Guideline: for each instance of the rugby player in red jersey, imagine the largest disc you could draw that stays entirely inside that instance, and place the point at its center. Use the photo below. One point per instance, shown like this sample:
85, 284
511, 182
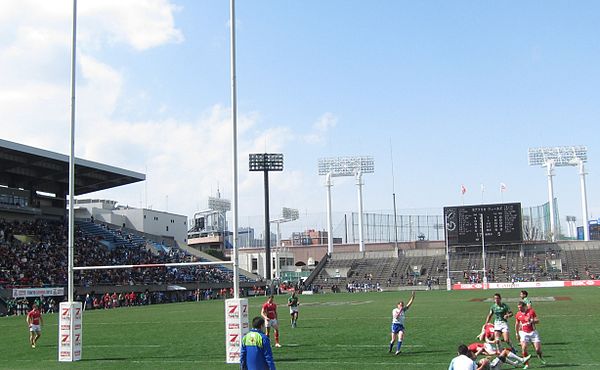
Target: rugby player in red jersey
269, 313
35, 321
525, 321
488, 336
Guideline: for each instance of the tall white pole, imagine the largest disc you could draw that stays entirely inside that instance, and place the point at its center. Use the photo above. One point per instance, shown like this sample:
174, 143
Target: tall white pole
236, 276
71, 237
550, 170
277, 264
448, 279
584, 210
328, 184
483, 251
359, 184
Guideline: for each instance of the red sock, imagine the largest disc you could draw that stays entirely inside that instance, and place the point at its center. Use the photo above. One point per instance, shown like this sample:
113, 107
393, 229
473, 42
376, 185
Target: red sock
276, 336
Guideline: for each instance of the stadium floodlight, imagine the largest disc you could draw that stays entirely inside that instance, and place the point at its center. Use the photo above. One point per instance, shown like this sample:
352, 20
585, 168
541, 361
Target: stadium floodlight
219, 204
266, 162
345, 166
562, 156
290, 214
571, 228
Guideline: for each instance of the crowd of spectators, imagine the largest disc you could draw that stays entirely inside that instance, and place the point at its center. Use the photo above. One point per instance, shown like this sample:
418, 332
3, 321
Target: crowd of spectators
39, 258
21, 306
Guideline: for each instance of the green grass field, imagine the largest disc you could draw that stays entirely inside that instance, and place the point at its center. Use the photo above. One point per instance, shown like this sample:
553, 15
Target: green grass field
341, 331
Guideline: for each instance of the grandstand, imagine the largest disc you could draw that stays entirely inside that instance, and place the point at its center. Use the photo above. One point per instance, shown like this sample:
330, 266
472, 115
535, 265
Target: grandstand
33, 238
526, 262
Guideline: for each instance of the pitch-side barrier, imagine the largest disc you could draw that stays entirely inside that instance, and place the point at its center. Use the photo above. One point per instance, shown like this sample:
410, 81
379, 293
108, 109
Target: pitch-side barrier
526, 284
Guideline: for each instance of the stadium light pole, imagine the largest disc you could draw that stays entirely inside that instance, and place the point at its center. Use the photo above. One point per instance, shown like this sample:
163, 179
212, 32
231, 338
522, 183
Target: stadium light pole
584, 210
562, 156
266, 162
287, 215
345, 166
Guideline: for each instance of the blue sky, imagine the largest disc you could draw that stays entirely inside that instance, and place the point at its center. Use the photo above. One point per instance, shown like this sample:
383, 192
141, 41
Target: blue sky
457, 91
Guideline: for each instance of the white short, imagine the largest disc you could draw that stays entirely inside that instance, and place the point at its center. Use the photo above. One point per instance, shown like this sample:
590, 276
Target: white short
492, 349
272, 323
496, 364
35, 328
532, 337
293, 309
501, 326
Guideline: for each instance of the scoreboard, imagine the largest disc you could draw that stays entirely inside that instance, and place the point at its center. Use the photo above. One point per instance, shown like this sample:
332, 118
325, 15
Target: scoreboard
502, 224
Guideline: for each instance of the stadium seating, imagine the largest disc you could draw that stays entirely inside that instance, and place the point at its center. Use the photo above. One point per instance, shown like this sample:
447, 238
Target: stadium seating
526, 264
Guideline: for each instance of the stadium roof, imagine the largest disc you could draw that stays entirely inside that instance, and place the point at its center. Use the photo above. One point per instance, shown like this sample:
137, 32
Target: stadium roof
30, 168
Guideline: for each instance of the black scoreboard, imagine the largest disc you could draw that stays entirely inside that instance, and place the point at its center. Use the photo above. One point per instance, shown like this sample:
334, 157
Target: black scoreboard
502, 224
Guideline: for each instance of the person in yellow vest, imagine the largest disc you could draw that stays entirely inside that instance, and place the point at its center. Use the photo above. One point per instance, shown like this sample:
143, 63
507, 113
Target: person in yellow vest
256, 353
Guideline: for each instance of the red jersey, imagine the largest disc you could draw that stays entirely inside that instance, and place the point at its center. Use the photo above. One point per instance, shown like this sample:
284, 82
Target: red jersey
526, 320
474, 347
489, 332
34, 315
270, 309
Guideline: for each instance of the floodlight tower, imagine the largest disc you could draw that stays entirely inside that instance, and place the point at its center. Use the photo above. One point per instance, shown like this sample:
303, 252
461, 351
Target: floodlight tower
561, 156
287, 215
345, 166
266, 162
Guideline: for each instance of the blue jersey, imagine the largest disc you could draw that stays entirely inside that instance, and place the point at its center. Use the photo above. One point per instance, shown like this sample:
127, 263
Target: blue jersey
256, 352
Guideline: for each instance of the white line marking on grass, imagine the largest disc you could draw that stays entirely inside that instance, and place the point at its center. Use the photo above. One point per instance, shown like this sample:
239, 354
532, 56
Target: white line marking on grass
369, 345
123, 345
336, 303
186, 322
307, 362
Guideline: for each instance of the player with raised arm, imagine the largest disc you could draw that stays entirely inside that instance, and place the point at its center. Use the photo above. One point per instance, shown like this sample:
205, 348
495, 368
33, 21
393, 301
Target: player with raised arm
35, 322
398, 315
293, 305
525, 321
500, 312
269, 313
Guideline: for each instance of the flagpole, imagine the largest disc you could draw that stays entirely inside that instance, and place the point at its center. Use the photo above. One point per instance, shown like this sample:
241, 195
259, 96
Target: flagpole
482, 191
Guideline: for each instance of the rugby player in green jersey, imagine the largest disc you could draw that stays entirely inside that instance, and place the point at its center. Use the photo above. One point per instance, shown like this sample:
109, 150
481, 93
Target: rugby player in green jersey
293, 305
501, 312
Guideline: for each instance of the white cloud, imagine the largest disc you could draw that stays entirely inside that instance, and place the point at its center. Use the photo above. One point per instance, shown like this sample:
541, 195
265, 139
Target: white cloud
321, 128
184, 160
142, 24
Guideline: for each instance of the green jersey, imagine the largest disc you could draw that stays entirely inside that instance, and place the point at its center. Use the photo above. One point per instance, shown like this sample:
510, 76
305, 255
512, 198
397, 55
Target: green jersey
527, 301
293, 301
499, 311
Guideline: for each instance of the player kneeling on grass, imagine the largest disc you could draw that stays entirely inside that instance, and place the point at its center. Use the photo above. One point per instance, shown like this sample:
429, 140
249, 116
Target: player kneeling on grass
490, 342
398, 323
525, 321
256, 351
